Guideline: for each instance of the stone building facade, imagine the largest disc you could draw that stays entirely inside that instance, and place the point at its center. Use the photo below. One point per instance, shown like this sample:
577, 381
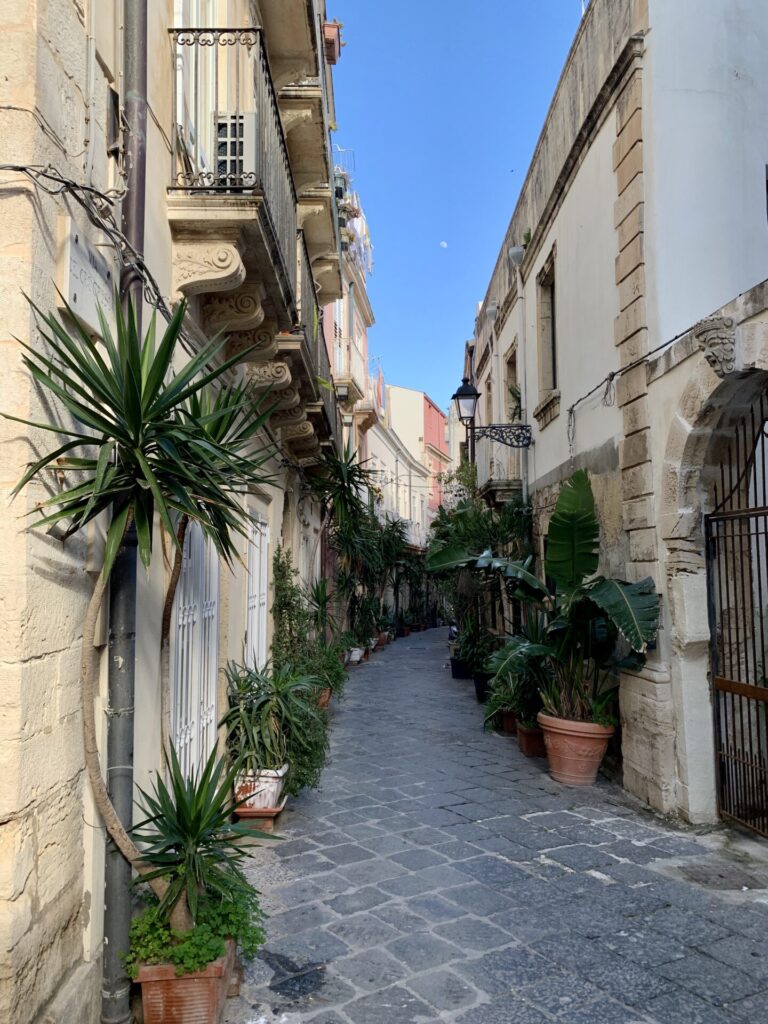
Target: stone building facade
610, 321
250, 238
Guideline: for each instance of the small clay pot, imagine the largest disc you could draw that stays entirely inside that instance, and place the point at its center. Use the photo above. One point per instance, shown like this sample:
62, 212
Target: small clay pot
530, 740
324, 697
509, 723
574, 749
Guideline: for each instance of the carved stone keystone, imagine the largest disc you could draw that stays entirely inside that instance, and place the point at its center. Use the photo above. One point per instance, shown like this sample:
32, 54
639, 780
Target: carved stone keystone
716, 338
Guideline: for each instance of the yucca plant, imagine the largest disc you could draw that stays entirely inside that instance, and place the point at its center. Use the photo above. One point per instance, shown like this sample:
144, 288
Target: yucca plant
187, 838
147, 438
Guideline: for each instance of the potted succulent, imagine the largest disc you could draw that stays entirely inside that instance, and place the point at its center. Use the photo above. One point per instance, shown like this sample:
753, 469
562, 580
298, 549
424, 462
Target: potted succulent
268, 711
596, 626
183, 945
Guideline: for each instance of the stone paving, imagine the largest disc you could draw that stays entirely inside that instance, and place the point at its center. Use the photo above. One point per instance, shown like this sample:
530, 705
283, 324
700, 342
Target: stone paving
438, 875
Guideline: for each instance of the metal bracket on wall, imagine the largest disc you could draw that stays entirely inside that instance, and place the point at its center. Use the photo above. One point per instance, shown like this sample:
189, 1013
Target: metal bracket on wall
514, 435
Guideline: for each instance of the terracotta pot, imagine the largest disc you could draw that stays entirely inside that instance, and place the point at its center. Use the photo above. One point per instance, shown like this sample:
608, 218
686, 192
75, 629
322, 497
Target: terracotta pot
263, 789
324, 697
383, 639
574, 749
509, 722
530, 740
198, 998
366, 654
406, 630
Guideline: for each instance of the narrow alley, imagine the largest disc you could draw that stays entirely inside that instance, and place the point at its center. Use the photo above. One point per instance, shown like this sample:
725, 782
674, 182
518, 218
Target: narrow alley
440, 875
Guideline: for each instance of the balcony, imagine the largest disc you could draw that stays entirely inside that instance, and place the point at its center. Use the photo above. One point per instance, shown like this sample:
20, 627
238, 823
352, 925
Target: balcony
238, 254
231, 199
499, 471
349, 370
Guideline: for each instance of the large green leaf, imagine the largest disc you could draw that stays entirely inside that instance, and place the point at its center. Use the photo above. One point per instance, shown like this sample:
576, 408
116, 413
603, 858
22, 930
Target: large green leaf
449, 558
632, 607
574, 534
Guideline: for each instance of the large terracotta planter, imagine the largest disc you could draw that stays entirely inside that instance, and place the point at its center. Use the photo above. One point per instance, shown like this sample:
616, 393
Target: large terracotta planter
574, 749
530, 741
197, 998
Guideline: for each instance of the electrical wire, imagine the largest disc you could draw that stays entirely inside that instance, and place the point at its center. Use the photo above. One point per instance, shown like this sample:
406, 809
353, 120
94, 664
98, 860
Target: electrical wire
98, 207
608, 383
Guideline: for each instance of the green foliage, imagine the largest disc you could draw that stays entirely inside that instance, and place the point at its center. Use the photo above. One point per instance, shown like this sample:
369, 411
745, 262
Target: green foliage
307, 750
521, 669
146, 441
153, 941
270, 710
501, 697
187, 837
476, 644
573, 538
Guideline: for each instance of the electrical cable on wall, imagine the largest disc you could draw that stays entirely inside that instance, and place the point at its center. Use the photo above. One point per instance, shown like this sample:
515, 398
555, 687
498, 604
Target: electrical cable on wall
98, 208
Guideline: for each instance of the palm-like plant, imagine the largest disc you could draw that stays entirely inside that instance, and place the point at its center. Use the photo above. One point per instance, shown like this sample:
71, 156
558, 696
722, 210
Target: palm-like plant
146, 440
268, 712
188, 840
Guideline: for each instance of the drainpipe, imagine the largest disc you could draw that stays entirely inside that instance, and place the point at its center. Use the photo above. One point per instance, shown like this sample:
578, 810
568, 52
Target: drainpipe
115, 1004
522, 364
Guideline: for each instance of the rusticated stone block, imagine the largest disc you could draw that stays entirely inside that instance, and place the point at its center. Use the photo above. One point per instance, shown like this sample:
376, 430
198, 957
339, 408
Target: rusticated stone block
642, 545
635, 415
632, 287
629, 259
634, 449
637, 481
631, 385
631, 133
630, 167
628, 200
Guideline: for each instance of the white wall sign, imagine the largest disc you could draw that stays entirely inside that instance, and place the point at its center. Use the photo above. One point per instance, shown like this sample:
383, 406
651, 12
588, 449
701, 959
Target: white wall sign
85, 277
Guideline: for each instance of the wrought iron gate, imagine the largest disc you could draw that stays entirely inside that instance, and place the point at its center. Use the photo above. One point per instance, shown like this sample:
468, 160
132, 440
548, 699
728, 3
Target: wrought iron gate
737, 581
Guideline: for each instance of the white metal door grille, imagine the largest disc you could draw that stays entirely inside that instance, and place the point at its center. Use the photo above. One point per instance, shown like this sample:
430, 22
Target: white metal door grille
257, 592
195, 653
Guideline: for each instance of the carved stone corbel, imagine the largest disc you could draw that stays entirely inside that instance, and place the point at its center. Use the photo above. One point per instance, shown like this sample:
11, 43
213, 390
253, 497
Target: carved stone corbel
716, 338
262, 343
294, 116
238, 310
300, 436
273, 375
205, 266
288, 398
287, 418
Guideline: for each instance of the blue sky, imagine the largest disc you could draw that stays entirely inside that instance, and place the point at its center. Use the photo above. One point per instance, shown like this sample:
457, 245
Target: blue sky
442, 102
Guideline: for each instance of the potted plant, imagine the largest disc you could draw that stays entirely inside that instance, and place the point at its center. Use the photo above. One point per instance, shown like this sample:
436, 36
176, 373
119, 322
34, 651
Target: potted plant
521, 672
268, 710
183, 945
407, 623
500, 709
476, 645
596, 626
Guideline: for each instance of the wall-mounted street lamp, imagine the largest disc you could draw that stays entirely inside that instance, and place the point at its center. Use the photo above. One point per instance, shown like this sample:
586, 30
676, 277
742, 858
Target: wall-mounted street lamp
514, 435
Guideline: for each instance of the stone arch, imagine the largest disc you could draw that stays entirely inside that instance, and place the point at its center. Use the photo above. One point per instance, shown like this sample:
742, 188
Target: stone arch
711, 405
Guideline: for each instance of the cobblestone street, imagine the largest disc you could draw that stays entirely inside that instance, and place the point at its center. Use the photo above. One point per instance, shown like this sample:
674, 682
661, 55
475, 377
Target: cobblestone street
439, 875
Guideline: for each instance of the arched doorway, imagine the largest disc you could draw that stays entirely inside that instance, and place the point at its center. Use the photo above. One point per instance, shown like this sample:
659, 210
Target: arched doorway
711, 456
736, 534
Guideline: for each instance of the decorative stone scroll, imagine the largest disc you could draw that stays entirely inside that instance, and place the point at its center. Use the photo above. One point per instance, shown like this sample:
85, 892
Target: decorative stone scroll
288, 398
205, 267
716, 338
260, 345
300, 436
239, 310
287, 417
271, 375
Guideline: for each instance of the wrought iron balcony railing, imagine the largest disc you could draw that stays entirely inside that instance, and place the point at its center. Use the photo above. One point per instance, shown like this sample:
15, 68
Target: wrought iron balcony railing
228, 133
310, 321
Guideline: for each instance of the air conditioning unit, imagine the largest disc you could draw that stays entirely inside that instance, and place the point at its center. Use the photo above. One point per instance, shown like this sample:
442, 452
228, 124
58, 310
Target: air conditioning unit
236, 149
